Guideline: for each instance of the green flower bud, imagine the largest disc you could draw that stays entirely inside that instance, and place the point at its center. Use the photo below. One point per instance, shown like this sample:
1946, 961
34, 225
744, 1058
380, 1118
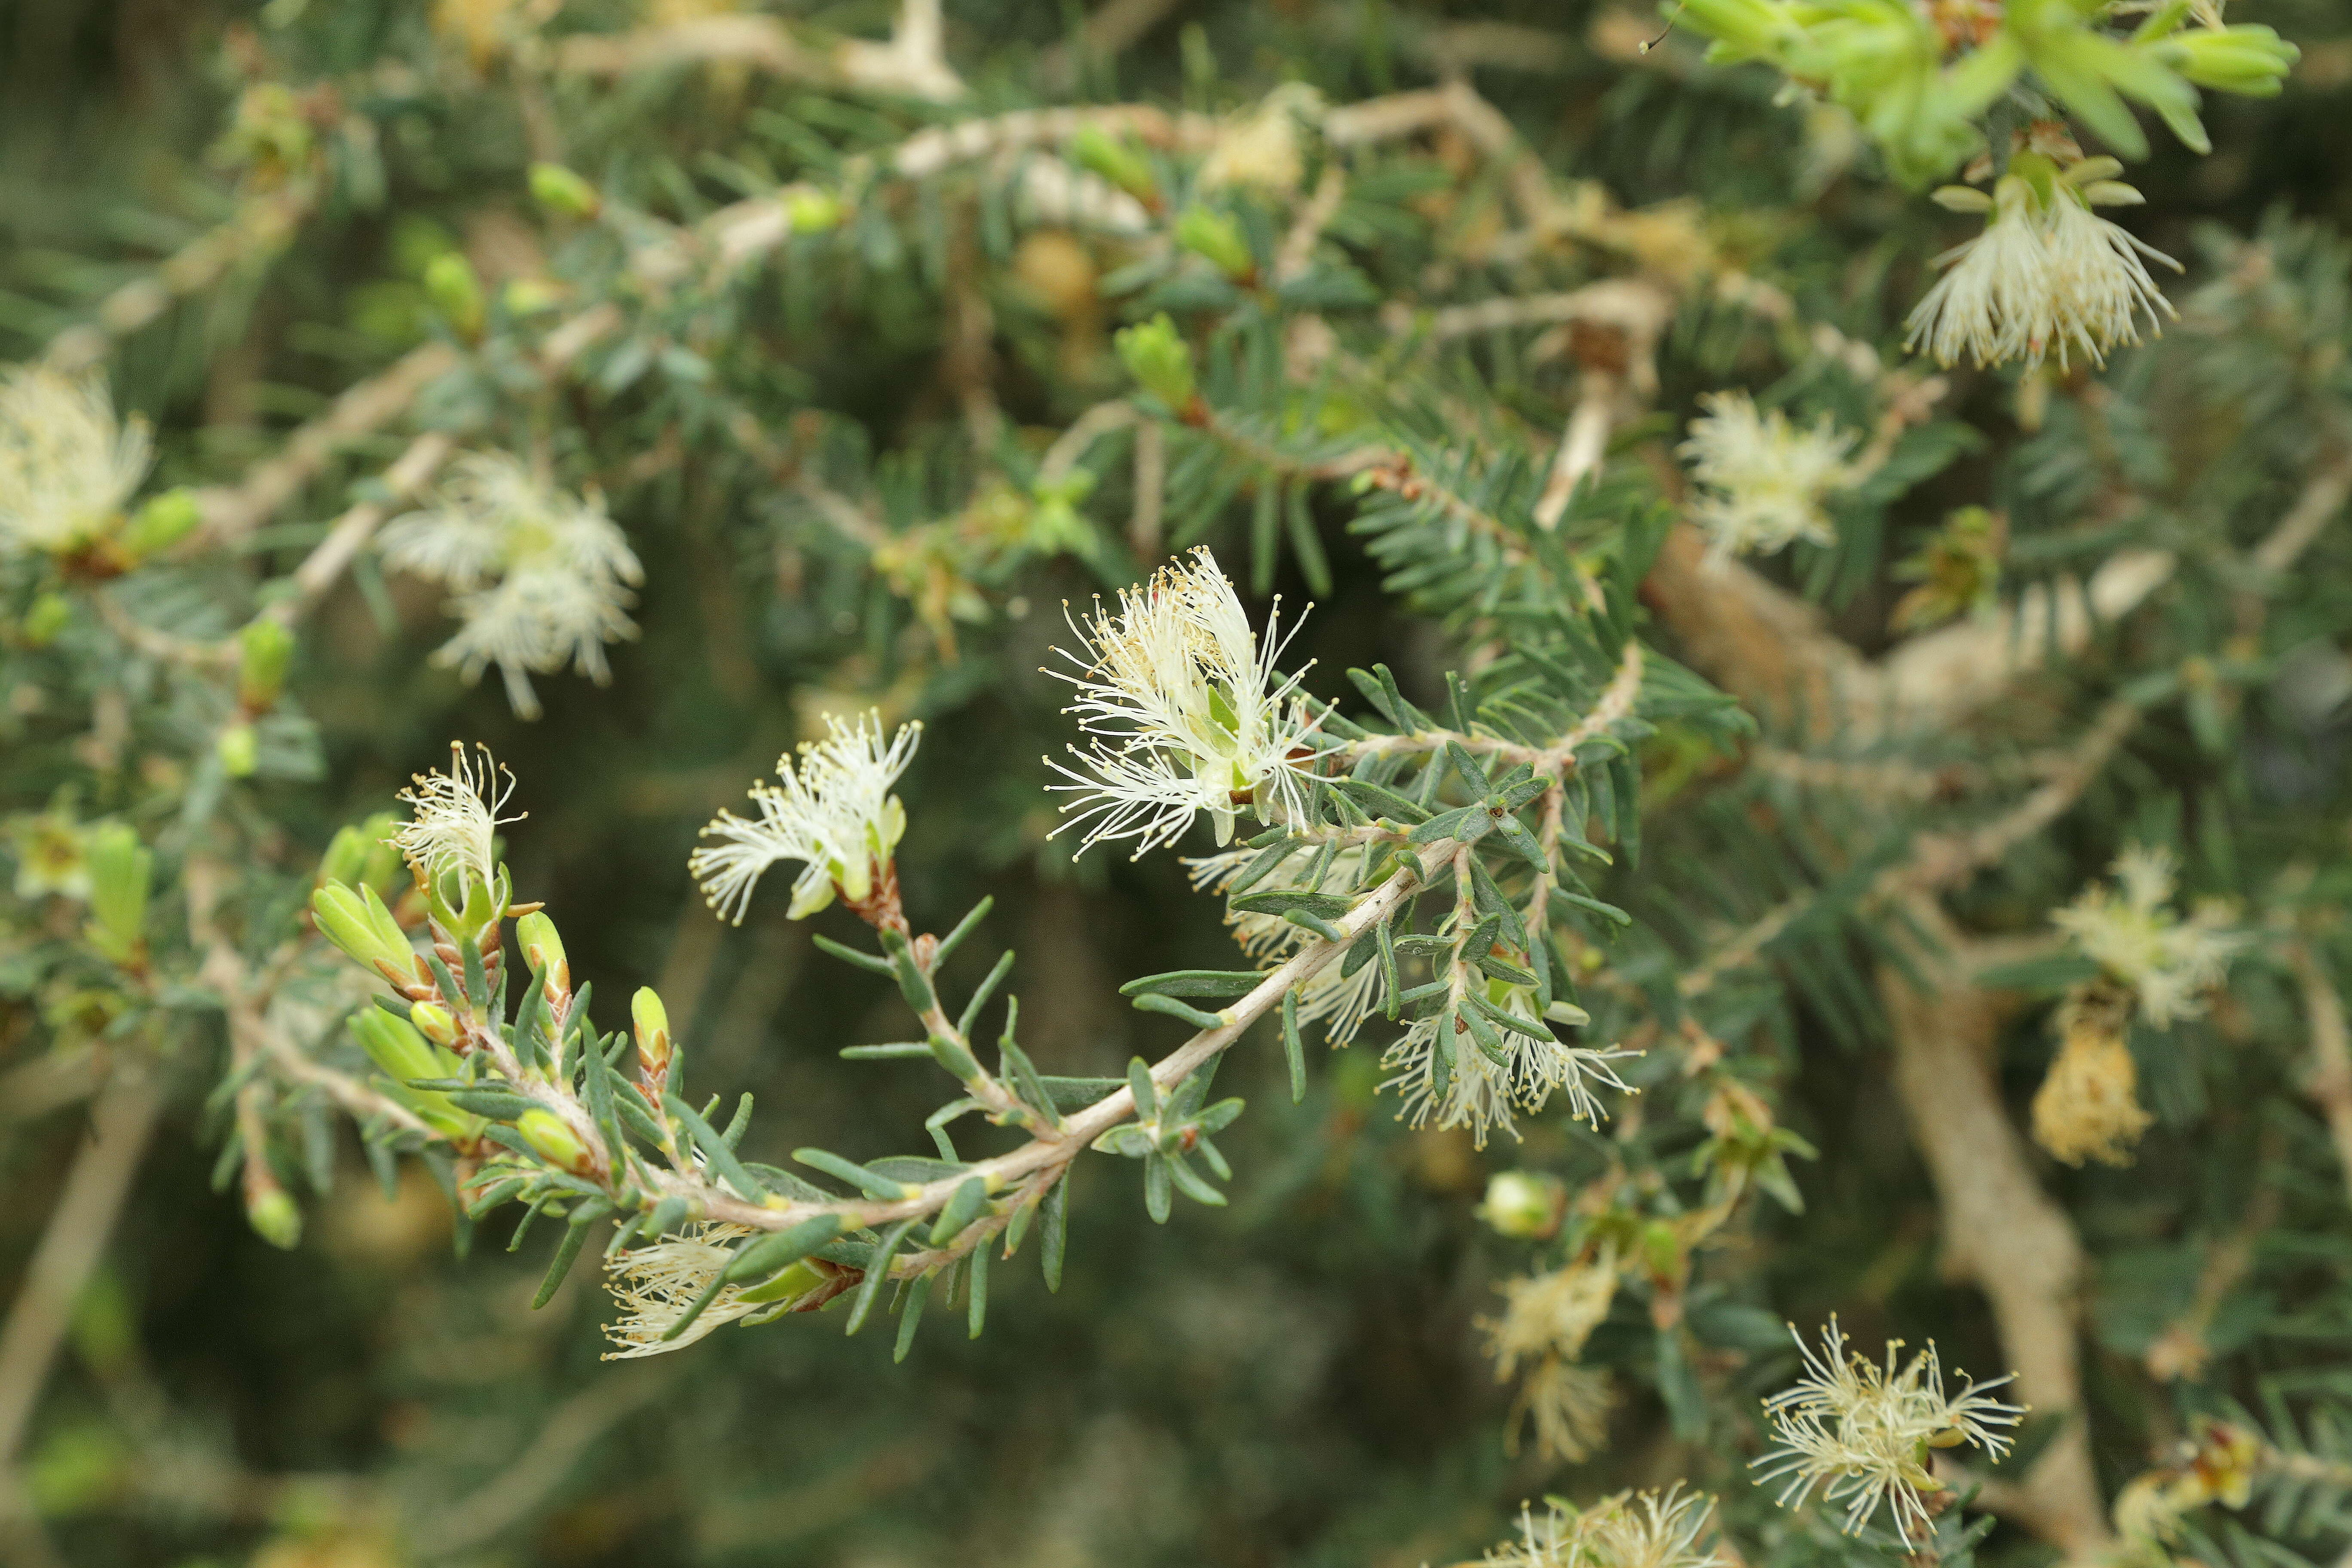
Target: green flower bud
1742, 29
1207, 232
395, 1046
46, 619
529, 296
1097, 152
552, 1141
2246, 59
559, 190
1159, 359
813, 212
651, 1021
163, 522
456, 292
239, 750
433, 1023
345, 859
358, 923
121, 868
542, 949
274, 1217
384, 867
1524, 1204
798, 1279
264, 648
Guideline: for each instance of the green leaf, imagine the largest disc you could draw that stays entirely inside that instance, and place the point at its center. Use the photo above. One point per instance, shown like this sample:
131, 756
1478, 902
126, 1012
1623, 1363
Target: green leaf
878, 1268
868, 1182
1293, 1051
764, 1256
1197, 982
1055, 1235
1154, 1003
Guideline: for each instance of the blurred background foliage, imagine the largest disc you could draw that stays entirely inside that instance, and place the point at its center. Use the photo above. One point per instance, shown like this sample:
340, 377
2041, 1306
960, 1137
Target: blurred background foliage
1295, 1379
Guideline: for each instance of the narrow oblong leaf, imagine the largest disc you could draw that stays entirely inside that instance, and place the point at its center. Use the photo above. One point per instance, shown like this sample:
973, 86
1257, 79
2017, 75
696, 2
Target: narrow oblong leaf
1055, 1235
772, 1253
1154, 1003
848, 955
878, 1268
1196, 983
865, 1181
963, 928
1293, 1051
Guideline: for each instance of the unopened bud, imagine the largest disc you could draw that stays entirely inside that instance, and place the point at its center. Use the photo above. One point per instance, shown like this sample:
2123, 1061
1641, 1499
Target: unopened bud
1206, 231
559, 190
395, 1046
1158, 357
239, 750
1662, 1249
433, 1023
1099, 152
456, 292
346, 858
552, 1141
358, 923
529, 296
813, 212
798, 1279
274, 1216
264, 648
121, 868
542, 951
651, 1020
1524, 1204
161, 522
46, 619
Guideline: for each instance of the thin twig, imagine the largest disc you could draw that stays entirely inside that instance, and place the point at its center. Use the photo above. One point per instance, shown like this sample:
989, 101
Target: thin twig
96, 1186
2330, 1083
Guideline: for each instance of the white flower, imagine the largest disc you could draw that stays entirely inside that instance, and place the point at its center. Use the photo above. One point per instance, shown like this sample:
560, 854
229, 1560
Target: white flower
1338, 1000
457, 819
1651, 1530
834, 811
1551, 1313
1480, 1092
1569, 1406
539, 577
67, 465
2105, 286
1865, 1430
1764, 478
2144, 944
654, 1286
2041, 276
1185, 712
1261, 148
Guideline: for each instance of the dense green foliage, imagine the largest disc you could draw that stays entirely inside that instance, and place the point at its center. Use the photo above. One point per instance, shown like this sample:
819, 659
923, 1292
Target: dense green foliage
1403, 310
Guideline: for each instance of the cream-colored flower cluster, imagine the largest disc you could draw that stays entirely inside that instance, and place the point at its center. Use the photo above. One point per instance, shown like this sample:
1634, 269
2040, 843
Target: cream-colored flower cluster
1185, 713
1862, 1432
2047, 276
453, 822
67, 465
833, 812
539, 578
1761, 478
2168, 961
1644, 1530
